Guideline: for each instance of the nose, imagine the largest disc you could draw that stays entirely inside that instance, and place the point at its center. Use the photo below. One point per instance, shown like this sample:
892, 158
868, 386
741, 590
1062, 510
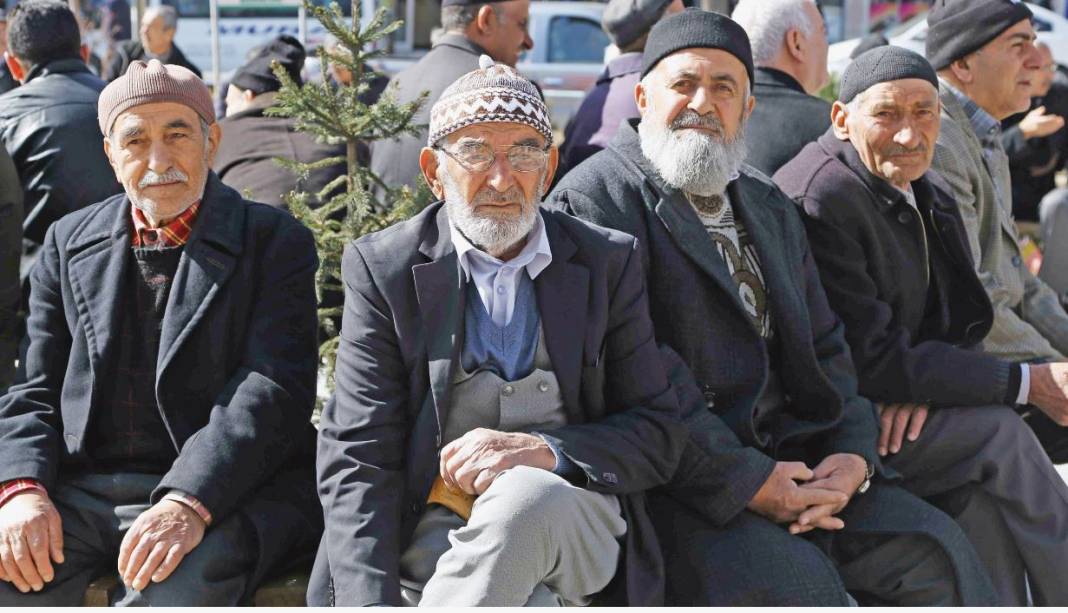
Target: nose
500, 175
159, 158
1033, 61
907, 136
701, 102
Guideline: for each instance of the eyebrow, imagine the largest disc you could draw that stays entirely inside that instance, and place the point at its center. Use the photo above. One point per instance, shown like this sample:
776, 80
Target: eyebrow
178, 124
718, 77
128, 133
530, 141
1022, 36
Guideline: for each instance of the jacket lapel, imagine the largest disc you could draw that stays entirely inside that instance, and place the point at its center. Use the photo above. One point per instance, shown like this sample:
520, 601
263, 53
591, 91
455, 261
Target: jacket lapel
438, 290
562, 293
98, 264
207, 262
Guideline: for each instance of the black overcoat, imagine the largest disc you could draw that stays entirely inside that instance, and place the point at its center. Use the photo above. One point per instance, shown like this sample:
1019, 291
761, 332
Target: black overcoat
237, 364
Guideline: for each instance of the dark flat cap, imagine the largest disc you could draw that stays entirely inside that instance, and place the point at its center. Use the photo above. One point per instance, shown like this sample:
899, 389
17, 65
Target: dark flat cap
256, 74
956, 28
869, 42
626, 21
881, 65
694, 28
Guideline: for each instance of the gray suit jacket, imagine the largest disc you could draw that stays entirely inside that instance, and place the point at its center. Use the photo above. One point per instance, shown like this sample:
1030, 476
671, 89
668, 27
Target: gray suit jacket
380, 436
1029, 322
396, 161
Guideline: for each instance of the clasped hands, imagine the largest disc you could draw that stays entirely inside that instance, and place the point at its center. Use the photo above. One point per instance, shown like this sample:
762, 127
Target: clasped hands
31, 540
470, 463
806, 498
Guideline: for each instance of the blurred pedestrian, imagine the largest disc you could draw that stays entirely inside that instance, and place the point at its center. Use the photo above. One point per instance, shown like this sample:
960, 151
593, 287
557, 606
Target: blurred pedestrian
158, 27
495, 28
789, 42
611, 100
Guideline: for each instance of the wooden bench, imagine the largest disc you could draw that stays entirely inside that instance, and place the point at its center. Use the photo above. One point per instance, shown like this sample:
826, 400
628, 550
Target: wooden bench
284, 591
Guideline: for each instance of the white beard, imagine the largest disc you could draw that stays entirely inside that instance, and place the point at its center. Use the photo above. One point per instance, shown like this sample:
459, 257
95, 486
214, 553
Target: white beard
494, 235
693, 161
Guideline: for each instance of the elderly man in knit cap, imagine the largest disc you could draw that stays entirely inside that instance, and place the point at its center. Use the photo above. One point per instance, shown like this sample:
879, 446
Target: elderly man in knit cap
163, 432
611, 100
251, 140
500, 404
782, 501
893, 256
986, 60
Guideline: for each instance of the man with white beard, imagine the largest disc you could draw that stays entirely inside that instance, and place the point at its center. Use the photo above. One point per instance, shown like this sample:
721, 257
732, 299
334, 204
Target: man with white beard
500, 405
779, 498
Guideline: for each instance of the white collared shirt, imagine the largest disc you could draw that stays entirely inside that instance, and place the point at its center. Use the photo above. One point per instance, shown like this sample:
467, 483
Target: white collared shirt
497, 282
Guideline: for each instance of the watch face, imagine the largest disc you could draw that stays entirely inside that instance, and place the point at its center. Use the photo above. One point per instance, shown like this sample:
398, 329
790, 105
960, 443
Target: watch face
864, 486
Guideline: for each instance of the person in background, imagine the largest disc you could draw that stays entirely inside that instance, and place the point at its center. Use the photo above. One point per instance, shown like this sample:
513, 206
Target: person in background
1036, 141
343, 76
869, 42
893, 256
252, 140
611, 100
10, 252
789, 42
984, 53
495, 28
7, 82
779, 500
159, 24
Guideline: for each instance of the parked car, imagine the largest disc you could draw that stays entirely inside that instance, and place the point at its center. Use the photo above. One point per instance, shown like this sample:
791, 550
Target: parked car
1052, 29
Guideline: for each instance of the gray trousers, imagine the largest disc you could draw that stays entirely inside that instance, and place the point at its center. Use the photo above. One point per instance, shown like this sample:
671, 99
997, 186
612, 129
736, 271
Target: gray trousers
97, 510
1017, 515
533, 539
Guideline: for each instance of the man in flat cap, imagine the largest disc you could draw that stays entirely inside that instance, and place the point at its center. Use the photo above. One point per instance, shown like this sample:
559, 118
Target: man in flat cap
986, 60
497, 28
500, 404
894, 259
163, 432
252, 140
789, 42
777, 504
611, 100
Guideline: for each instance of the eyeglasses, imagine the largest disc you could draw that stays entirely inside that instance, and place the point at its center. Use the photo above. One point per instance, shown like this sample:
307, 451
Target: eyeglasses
478, 157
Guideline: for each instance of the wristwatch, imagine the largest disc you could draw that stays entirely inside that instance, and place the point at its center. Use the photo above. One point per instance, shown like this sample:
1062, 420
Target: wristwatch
869, 472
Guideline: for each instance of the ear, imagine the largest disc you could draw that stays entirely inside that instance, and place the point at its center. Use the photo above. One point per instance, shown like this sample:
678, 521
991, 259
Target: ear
84, 52
750, 105
428, 163
214, 137
641, 98
554, 161
962, 70
486, 19
839, 114
14, 67
248, 95
795, 44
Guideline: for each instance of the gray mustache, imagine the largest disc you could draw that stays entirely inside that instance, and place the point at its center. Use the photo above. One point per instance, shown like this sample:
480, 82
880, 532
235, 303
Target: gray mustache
689, 118
900, 150
172, 175
491, 196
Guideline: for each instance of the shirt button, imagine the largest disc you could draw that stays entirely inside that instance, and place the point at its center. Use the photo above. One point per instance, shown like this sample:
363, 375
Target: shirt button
507, 390
904, 217
543, 386
1016, 261
500, 289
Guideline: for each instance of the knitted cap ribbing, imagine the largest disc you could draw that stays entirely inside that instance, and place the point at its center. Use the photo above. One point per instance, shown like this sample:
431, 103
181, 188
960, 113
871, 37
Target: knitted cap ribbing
150, 82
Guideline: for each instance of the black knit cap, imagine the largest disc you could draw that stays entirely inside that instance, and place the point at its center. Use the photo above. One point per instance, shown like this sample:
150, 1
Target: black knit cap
956, 28
256, 75
881, 65
694, 28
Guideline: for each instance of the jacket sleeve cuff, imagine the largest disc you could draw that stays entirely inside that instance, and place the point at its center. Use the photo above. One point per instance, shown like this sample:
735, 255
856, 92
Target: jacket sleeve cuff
565, 467
1019, 387
17, 486
190, 501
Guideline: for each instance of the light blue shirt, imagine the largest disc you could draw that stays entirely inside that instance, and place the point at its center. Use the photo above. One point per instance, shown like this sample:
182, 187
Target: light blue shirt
497, 282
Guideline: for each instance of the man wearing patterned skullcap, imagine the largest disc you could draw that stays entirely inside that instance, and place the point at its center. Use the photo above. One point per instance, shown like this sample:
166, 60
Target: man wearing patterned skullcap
500, 404
782, 495
163, 430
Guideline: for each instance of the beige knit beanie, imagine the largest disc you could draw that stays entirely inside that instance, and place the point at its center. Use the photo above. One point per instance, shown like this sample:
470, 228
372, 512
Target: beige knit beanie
146, 83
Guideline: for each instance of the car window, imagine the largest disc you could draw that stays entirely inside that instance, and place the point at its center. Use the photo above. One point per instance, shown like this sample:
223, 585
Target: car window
575, 40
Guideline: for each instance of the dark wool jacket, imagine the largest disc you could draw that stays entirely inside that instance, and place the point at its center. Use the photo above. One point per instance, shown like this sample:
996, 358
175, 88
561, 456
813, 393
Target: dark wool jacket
784, 120
130, 50
10, 250
901, 279
696, 311
235, 379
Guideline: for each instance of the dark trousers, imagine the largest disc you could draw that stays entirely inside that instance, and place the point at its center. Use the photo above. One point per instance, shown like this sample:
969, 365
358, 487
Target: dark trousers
1018, 518
97, 510
752, 561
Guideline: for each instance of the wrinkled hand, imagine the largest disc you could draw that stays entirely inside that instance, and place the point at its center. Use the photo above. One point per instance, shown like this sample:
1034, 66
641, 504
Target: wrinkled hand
840, 472
782, 499
1049, 390
473, 461
157, 542
31, 538
1037, 123
898, 420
